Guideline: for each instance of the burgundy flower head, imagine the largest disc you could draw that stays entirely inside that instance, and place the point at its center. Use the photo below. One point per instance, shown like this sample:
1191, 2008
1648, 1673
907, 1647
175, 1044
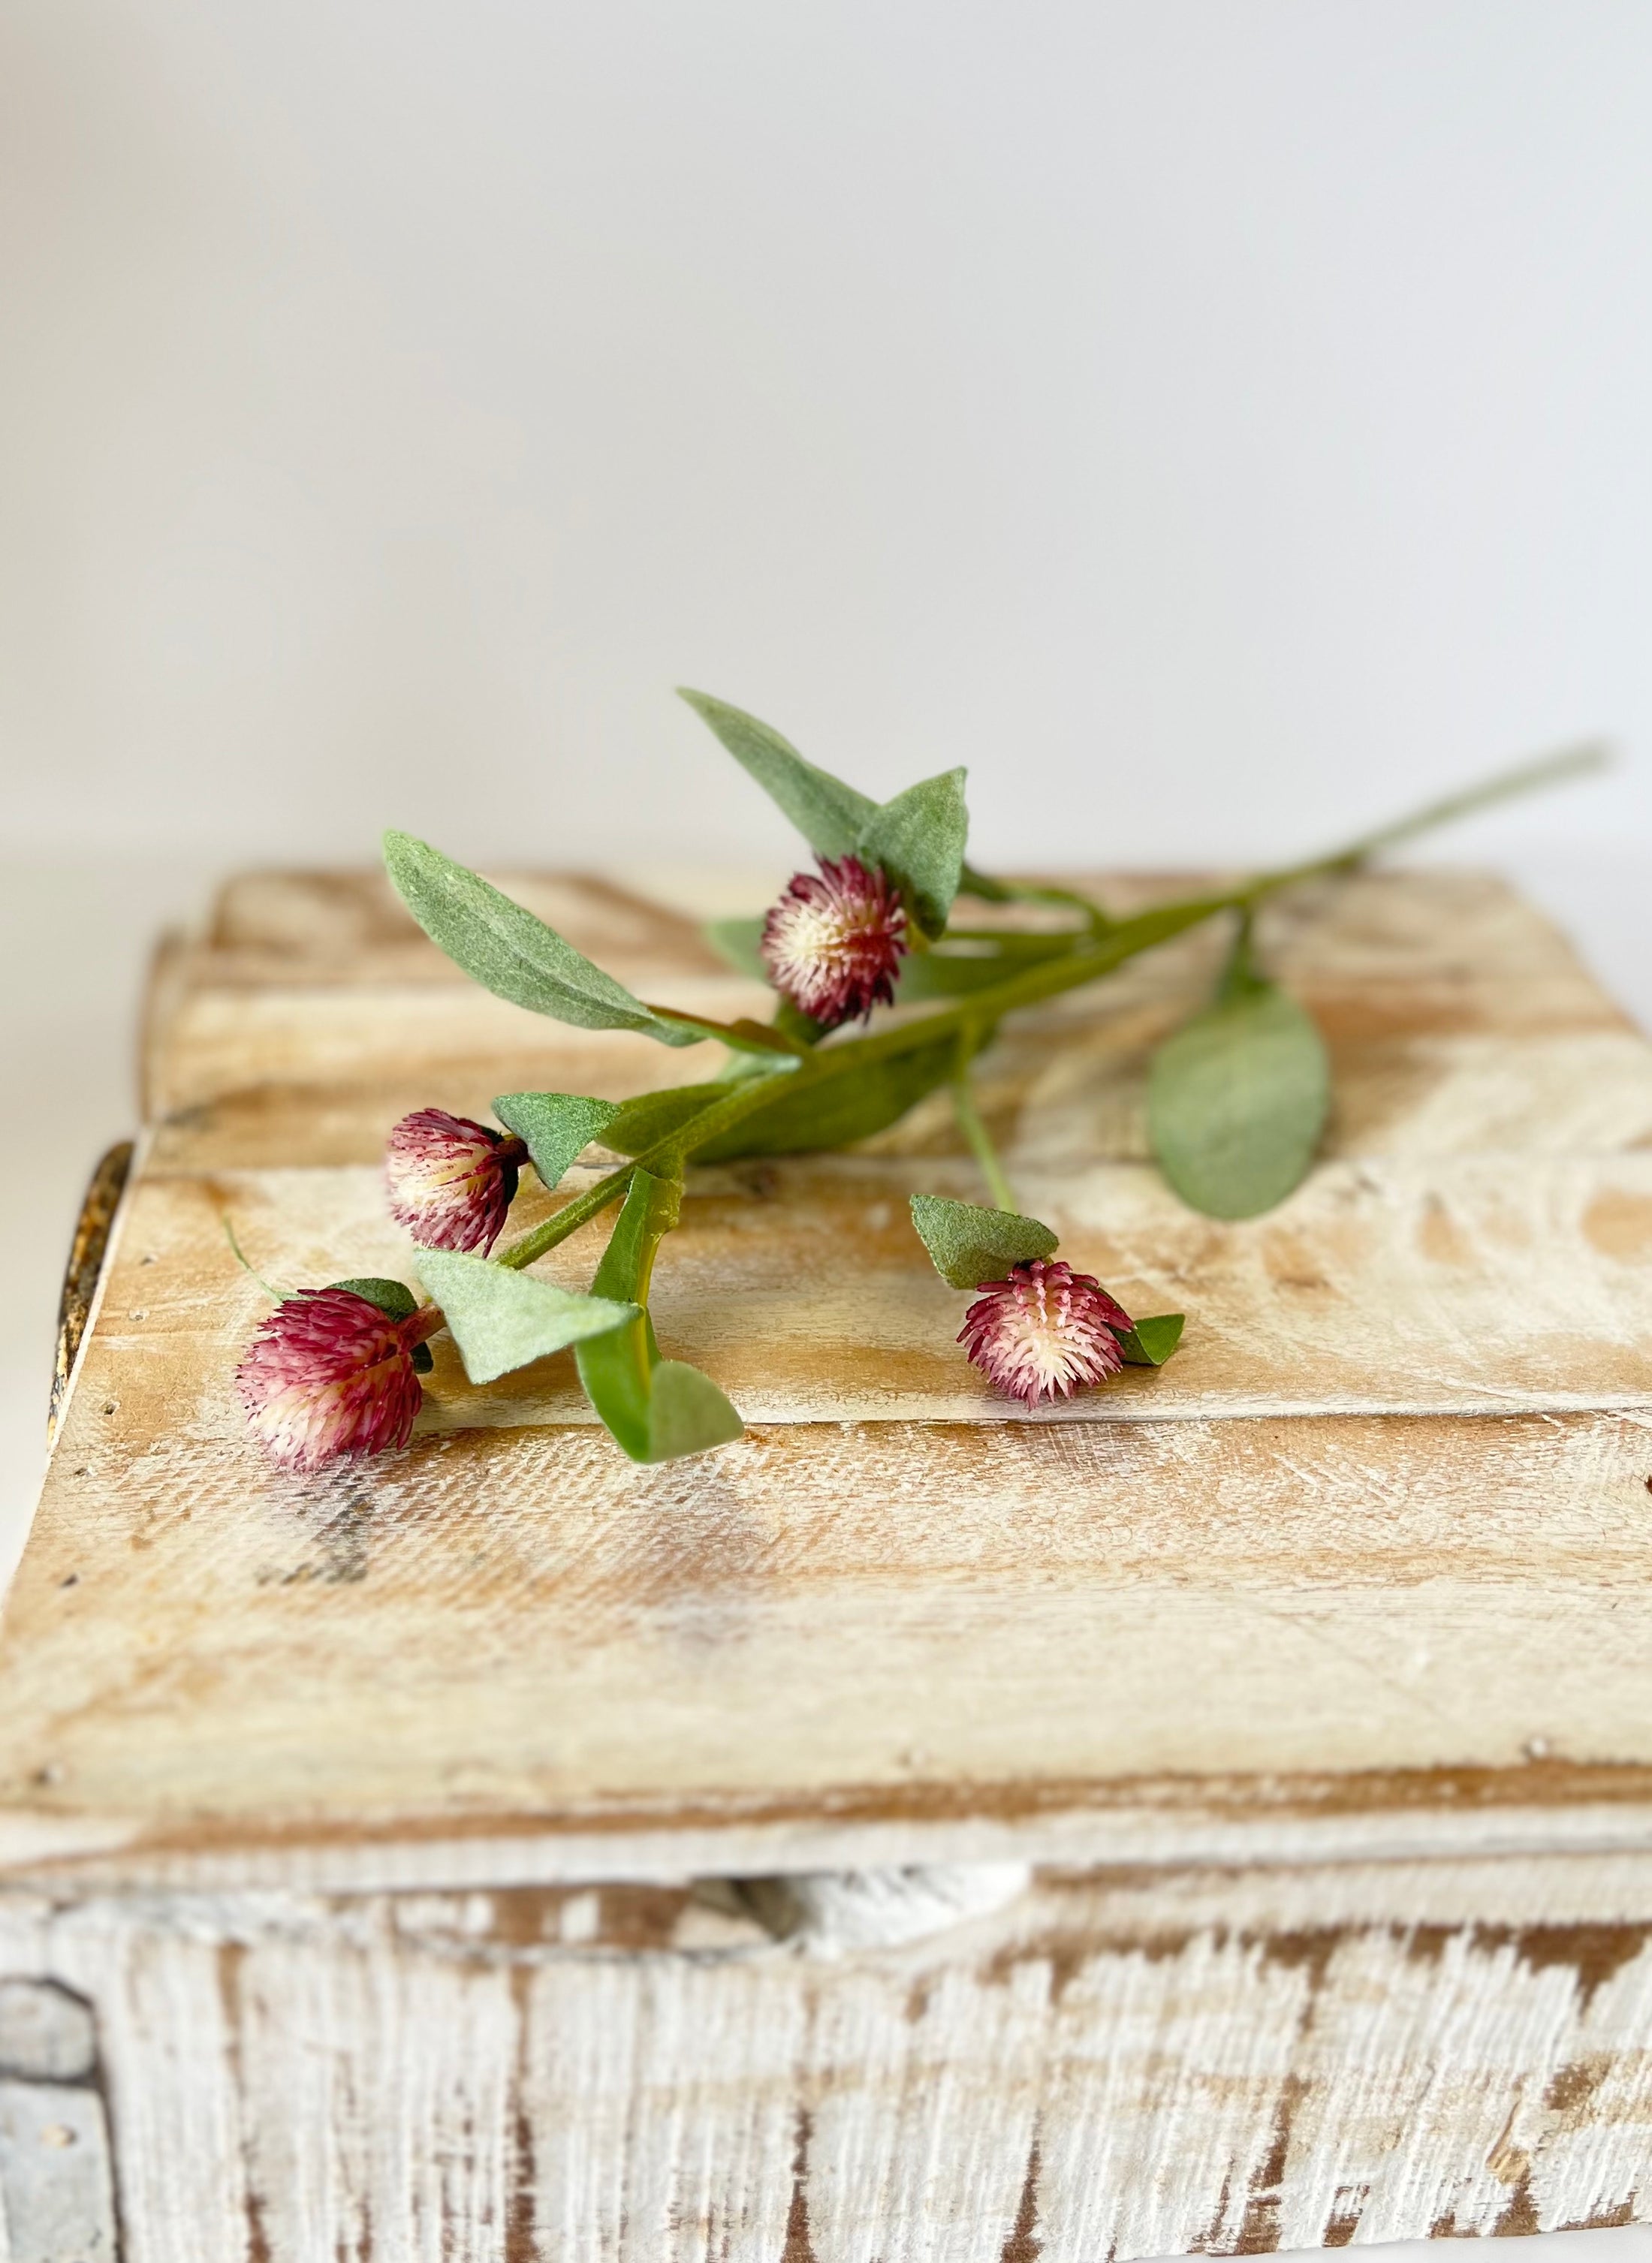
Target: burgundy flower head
450, 1181
1044, 1332
330, 1374
834, 941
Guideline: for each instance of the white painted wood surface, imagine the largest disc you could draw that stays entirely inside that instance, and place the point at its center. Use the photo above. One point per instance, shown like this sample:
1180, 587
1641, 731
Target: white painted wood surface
1115, 2064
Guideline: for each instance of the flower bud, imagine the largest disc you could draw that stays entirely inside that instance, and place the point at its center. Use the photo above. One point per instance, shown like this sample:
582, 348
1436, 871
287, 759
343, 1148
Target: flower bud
833, 943
1044, 1332
450, 1181
330, 1374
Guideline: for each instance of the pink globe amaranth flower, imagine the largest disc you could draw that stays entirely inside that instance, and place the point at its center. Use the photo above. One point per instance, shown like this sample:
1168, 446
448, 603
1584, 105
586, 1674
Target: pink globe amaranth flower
328, 1374
833, 943
1044, 1332
450, 1181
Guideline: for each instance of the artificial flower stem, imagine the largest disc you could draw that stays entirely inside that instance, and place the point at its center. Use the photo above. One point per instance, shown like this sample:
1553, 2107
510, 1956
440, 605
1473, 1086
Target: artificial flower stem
980, 1138
664, 1159
974, 1020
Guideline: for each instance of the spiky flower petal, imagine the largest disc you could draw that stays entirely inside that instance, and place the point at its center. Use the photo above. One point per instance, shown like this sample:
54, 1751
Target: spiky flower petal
330, 1374
450, 1181
834, 941
1044, 1332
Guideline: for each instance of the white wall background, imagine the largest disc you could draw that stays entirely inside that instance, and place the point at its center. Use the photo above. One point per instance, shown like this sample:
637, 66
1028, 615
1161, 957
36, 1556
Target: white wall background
1212, 420
1217, 421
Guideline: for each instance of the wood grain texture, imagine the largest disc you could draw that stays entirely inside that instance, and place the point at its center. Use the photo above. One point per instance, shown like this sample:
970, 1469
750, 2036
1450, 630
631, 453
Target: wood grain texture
1382, 1525
1118, 2064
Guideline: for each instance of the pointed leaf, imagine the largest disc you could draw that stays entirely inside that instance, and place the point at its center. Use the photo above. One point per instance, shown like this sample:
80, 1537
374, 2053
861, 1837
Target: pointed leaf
636, 1124
805, 1117
556, 1125
1237, 1102
392, 1297
1150, 1343
971, 1246
503, 1319
918, 839
511, 953
827, 813
956, 970
687, 1413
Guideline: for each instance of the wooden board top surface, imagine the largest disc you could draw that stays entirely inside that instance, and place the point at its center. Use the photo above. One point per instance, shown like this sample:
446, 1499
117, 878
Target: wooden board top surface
1373, 1546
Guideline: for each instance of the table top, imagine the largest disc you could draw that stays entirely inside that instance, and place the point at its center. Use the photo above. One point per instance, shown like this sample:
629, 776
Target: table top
1363, 1567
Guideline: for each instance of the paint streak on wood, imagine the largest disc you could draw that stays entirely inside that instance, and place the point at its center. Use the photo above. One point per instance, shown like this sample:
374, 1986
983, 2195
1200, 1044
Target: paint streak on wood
416, 2077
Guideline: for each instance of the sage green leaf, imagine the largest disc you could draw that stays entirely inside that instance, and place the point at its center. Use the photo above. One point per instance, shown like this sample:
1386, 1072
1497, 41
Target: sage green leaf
392, 1297
806, 1115
556, 1125
687, 1413
830, 815
637, 1124
735, 942
656, 1410
971, 1246
511, 953
1150, 1343
503, 1319
1236, 1101
918, 840
956, 970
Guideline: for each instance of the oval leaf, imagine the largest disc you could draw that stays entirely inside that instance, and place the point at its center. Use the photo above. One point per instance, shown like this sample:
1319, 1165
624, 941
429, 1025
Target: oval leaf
1150, 1343
971, 1246
687, 1413
503, 1319
918, 839
1237, 1102
807, 1114
511, 953
830, 815
556, 1125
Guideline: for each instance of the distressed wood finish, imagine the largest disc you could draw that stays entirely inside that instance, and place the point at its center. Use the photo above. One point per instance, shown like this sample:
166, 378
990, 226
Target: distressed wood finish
1116, 2064
363, 1811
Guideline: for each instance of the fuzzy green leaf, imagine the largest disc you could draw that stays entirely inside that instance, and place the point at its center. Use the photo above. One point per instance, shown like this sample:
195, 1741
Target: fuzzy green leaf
805, 1116
971, 1246
636, 1124
656, 1410
1236, 1101
511, 953
918, 839
503, 1319
556, 1125
955, 970
687, 1413
1150, 1343
830, 815
392, 1297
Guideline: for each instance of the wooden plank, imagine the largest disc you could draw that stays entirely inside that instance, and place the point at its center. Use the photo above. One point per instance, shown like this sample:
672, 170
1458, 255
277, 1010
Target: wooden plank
516, 1625
1112, 2066
1287, 1589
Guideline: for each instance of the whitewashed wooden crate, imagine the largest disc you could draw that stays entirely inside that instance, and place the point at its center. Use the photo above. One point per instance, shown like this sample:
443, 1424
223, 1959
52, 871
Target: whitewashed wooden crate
382, 1857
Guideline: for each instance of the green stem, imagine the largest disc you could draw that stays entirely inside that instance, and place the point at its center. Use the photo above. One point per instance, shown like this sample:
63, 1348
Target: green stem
980, 1139
974, 1017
